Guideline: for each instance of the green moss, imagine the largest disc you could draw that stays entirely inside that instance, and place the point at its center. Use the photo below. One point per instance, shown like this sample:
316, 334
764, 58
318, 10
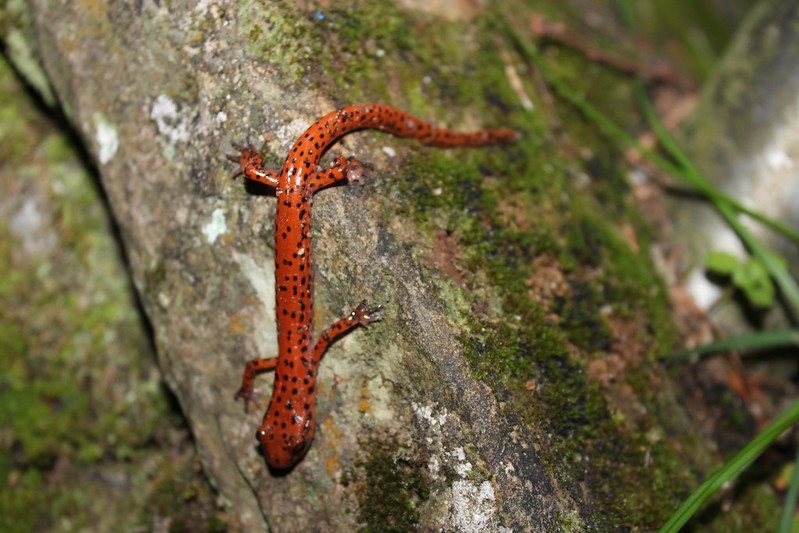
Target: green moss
82, 409
182, 499
395, 488
346, 51
280, 36
25, 506
500, 236
503, 225
335, 46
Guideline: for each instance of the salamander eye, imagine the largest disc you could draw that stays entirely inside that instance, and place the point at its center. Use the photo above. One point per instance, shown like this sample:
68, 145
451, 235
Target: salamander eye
260, 435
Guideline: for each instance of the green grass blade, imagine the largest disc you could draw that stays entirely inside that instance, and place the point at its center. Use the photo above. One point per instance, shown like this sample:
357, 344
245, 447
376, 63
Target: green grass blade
786, 520
621, 136
693, 175
761, 339
775, 268
732, 469
728, 208
685, 169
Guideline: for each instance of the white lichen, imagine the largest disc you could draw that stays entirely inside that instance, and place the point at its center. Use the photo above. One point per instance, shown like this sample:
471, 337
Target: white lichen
169, 121
262, 280
473, 507
215, 227
106, 136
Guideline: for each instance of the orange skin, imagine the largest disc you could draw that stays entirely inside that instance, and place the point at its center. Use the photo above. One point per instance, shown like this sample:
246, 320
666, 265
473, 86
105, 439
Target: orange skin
288, 425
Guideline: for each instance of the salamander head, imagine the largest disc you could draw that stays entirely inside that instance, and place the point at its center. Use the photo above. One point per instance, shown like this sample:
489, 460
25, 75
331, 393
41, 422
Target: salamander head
284, 447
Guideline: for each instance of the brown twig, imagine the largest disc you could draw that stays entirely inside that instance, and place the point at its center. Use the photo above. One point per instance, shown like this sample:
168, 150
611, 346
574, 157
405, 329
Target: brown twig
557, 33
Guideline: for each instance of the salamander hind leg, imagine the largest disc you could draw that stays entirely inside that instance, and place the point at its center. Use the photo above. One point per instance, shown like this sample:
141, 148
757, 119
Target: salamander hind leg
363, 315
253, 368
350, 170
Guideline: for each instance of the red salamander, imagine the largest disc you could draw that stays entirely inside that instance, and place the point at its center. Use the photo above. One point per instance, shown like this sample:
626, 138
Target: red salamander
288, 425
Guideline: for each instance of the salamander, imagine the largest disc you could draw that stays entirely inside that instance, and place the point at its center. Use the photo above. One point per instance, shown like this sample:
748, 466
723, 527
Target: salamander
288, 425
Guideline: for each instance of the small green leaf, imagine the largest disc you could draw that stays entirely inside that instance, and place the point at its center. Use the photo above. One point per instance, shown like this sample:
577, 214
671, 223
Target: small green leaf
748, 274
722, 263
753, 280
761, 295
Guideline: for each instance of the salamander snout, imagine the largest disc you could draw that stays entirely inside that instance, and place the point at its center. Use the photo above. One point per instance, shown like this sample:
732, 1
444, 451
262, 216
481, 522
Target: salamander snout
291, 449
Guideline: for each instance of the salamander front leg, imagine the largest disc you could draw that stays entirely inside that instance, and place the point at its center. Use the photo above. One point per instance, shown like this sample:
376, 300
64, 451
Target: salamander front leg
350, 170
363, 315
251, 165
253, 368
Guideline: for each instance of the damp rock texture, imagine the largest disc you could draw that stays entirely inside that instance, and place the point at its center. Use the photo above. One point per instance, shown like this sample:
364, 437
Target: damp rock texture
509, 385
